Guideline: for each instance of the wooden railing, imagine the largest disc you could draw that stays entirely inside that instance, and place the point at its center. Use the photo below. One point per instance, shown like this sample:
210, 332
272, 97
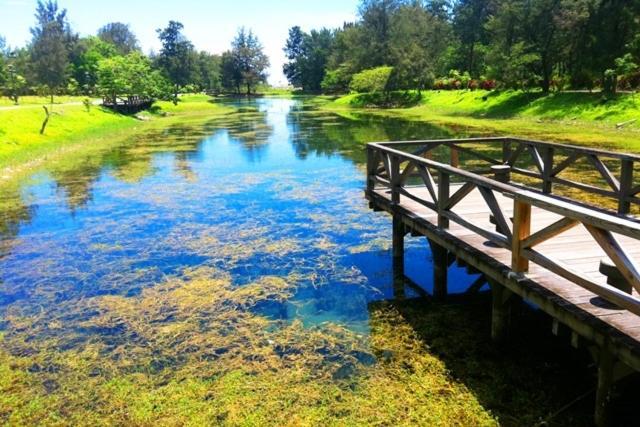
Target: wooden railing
601, 174
390, 167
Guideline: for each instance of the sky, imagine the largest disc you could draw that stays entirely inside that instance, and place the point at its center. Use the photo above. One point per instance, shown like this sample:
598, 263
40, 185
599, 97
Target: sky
210, 25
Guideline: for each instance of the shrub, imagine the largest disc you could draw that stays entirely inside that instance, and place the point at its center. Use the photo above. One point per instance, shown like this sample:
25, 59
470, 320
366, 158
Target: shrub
373, 80
336, 81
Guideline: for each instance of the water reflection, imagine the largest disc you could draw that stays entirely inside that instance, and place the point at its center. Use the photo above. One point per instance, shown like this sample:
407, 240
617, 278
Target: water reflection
240, 246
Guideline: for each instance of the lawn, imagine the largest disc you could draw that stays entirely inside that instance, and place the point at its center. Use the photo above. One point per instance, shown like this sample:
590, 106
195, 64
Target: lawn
21, 142
575, 117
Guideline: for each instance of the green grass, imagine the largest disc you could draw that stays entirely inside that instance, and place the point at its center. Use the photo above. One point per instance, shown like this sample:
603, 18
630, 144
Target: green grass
70, 125
41, 100
583, 118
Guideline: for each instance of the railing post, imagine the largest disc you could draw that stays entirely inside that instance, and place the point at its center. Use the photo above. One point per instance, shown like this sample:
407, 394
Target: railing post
501, 173
443, 198
626, 182
547, 167
371, 169
506, 151
455, 158
521, 230
395, 180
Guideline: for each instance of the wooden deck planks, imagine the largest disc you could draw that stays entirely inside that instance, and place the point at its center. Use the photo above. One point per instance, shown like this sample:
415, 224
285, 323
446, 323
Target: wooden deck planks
574, 247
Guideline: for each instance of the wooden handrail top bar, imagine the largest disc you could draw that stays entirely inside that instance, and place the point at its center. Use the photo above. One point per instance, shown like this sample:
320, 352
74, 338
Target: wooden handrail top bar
585, 150
597, 218
469, 176
592, 216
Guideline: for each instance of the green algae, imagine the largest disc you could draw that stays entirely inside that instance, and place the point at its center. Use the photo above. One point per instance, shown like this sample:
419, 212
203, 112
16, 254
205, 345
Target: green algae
191, 351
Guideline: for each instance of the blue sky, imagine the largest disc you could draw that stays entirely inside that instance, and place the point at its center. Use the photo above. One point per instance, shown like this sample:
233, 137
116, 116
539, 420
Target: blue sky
210, 25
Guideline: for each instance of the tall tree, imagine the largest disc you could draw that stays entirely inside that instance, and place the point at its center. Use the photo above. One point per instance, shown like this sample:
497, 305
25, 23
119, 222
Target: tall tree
85, 59
49, 46
418, 41
177, 56
231, 77
3, 60
469, 24
121, 36
375, 18
250, 59
295, 53
308, 55
208, 76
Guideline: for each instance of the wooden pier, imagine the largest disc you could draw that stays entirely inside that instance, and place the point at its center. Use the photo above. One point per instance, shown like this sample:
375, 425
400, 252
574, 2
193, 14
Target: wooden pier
548, 223
127, 105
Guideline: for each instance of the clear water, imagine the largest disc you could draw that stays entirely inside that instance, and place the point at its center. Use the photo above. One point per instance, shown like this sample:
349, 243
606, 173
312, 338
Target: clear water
93, 250
277, 192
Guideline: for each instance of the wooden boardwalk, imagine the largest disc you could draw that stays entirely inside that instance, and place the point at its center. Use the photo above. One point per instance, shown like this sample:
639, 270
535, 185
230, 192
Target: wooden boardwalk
524, 236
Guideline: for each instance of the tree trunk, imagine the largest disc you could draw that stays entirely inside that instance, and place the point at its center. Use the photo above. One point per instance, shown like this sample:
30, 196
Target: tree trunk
46, 119
248, 89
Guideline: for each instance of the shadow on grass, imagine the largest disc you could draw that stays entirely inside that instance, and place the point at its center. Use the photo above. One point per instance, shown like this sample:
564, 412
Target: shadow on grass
527, 381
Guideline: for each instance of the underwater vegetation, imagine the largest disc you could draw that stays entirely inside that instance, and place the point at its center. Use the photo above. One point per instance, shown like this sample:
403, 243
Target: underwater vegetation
229, 272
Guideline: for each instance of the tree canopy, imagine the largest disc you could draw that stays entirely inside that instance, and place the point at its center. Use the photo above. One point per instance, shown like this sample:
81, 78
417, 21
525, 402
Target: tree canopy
120, 36
524, 44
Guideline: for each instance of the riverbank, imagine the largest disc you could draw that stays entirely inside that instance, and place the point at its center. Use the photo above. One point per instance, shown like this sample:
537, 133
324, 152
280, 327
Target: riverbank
22, 148
579, 118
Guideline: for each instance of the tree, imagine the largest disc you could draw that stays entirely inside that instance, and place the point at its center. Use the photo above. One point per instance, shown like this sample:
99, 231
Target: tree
85, 61
418, 41
208, 76
375, 31
231, 77
49, 46
249, 58
295, 52
177, 57
120, 36
308, 56
3, 60
469, 24
130, 75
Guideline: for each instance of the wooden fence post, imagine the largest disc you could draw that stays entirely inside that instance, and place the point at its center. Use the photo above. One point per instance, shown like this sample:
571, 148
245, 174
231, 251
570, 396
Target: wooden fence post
626, 182
371, 169
440, 269
395, 180
443, 198
547, 167
521, 230
506, 151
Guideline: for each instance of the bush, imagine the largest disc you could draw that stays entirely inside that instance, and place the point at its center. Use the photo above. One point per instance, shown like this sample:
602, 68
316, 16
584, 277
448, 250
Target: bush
336, 81
373, 80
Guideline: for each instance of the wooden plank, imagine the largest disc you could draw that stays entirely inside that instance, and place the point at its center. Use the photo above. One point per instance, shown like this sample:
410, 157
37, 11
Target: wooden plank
616, 253
609, 293
460, 194
427, 178
496, 210
549, 232
568, 161
605, 172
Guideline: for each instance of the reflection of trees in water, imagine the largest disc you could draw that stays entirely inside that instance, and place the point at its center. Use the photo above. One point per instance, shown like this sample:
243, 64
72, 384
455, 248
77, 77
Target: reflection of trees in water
251, 130
13, 212
130, 162
327, 134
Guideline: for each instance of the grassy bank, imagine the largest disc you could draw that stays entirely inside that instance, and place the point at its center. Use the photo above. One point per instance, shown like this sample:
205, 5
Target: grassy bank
583, 118
71, 125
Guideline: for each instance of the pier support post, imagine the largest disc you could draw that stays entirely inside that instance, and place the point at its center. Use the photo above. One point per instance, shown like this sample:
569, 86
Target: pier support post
440, 270
399, 232
502, 305
604, 390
